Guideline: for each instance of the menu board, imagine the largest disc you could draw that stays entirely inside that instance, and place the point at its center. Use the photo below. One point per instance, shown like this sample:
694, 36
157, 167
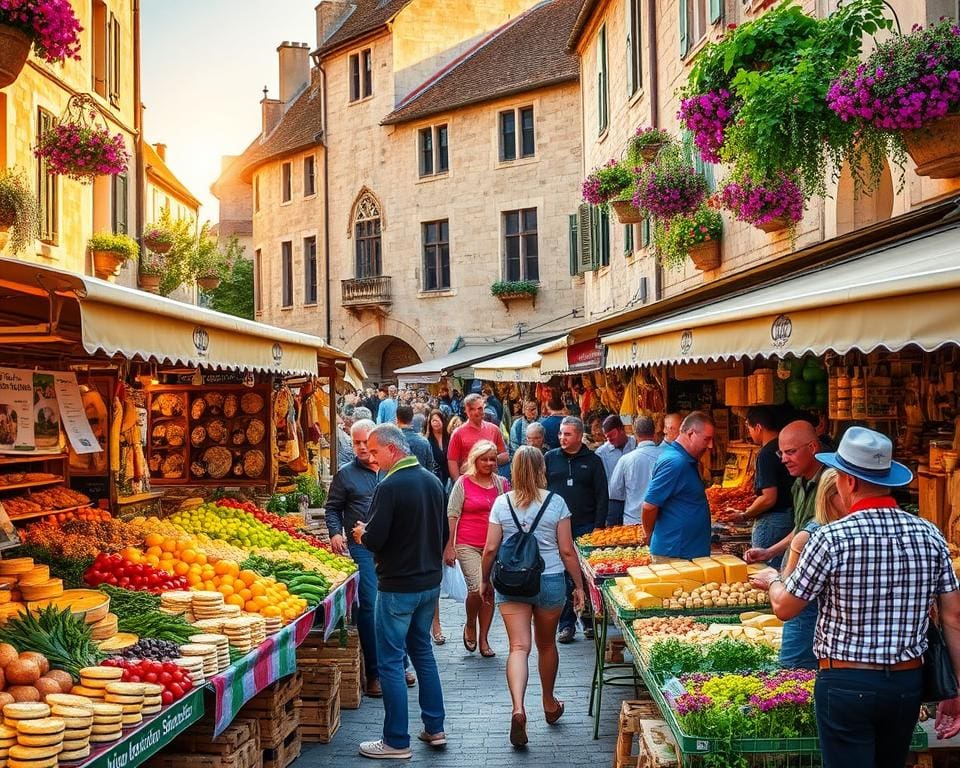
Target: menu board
216, 436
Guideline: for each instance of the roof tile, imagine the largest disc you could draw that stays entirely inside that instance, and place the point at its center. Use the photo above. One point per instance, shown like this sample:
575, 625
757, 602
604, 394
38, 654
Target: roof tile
366, 17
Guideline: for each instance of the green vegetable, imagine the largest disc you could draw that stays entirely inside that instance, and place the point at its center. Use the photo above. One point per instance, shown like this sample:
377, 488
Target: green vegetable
162, 626
126, 603
724, 655
63, 638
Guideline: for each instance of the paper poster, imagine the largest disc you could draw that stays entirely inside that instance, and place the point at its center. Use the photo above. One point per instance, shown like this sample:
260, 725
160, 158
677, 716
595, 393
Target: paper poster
16, 410
73, 415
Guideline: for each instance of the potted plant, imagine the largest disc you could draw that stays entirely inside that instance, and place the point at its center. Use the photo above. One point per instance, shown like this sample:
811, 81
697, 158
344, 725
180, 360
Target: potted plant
756, 98
315, 493
770, 205
207, 262
670, 186
51, 27
695, 236
157, 238
18, 211
507, 290
647, 143
82, 152
606, 183
149, 272
905, 98
110, 252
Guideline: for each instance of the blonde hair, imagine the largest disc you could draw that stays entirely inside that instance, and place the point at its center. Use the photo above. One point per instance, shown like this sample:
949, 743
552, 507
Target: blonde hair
826, 490
455, 421
528, 474
480, 448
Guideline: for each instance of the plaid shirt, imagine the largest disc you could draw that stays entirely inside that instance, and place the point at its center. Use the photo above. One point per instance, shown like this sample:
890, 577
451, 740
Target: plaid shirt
876, 573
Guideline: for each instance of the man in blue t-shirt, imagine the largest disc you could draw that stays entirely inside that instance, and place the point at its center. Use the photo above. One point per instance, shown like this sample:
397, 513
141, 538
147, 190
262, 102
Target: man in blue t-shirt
551, 422
675, 513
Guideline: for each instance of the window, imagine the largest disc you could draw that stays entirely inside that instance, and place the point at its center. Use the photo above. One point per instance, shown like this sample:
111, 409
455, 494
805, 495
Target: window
645, 229
257, 281
589, 239
47, 191
602, 95
309, 176
119, 203
256, 194
436, 255
310, 270
433, 150
634, 65
628, 238
367, 237
99, 32
286, 267
600, 236
113, 63
694, 21
513, 145
286, 182
361, 75
521, 254
573, 244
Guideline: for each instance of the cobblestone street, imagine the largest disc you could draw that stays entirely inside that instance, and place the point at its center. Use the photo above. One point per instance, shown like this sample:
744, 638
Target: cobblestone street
478, 712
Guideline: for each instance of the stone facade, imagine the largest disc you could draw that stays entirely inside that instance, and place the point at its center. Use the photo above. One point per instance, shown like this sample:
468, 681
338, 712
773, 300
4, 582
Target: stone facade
614, 288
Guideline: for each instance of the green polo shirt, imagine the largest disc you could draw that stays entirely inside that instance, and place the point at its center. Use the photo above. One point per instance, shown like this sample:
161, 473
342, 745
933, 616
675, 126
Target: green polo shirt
805, 500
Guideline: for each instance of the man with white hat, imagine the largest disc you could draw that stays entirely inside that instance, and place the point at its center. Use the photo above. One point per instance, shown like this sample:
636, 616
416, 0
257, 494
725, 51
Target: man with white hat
876, 572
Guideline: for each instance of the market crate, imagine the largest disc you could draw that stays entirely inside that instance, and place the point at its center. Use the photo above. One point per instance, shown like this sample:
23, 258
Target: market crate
236, 747
627, 751
277, 710
315, 652
284, 753
199, 737
320, 704
614, 650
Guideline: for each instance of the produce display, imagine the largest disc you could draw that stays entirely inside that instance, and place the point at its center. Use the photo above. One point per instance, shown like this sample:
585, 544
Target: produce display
614, 561
172, 678
725, 503
614, 536
274, 521
39, 501
725, 654
120, 572
62, 638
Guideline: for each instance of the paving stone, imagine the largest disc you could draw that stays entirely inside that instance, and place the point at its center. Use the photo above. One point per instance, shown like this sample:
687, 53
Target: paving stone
478, 708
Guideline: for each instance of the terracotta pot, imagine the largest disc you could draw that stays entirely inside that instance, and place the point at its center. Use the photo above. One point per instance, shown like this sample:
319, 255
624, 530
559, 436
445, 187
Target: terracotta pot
149, 283
106, 264
627, 212
208, 283
935, 148
4, 235
14, 49
650, 152
157, 246
706, 256
776, 225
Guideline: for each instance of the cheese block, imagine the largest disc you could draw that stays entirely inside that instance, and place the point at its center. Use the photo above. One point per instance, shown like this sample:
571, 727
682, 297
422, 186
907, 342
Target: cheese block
735, 572
629, 592
712, 570
662, 589
646, 600
753, 568
662, 568
643, 578
763, 620
687, 585
623, 581
42, 590
690, 571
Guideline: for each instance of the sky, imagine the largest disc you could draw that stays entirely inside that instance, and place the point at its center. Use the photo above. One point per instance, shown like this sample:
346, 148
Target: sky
204, 65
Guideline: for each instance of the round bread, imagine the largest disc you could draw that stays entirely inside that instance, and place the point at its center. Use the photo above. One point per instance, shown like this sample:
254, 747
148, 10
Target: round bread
83, 690
99, 730
104, 709
78, 722
113, 721
27, 740
68, 700
152, 689
102, 673
7, 733
101, 738
77, 754
93, 683
129, 720
21, 752
26, 710
126, 689
46, 762
41, 726
132, 709
126, 701
78, 743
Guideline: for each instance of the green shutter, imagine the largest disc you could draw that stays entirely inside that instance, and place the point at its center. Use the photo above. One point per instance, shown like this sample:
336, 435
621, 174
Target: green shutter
602, 80
627, 7
574, 244
645, 233
584, 231
684, 42
716, 11
628, 238
604, 218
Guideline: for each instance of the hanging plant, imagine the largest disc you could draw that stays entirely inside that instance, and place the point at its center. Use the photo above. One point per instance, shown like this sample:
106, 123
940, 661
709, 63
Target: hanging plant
756, 99
51, 25
79, 145
676, 238
157, 238
606, 183
670, 186
18, 209
771, 205
646, 144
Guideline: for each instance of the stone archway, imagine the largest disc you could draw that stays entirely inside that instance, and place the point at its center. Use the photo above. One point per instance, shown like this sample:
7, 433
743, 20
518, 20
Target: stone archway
855, 211
382, 355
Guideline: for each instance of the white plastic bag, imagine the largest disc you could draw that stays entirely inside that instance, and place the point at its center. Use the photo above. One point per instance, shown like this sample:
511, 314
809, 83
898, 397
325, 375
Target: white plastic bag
453, 585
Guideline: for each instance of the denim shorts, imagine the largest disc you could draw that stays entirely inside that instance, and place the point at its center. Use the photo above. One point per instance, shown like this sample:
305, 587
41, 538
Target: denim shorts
551, 597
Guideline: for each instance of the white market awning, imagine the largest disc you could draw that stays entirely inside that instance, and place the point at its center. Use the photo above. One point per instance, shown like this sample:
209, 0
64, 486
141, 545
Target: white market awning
460, 360
905, 293
521, 365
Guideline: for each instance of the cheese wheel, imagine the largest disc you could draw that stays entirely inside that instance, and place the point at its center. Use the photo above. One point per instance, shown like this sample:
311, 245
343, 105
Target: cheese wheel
77, 754
46, 762
43, 725
21, 752
101, 673
68, 700
43, 590
127, 689
100, 730
14, 566
25, 710
90, 693
41, 740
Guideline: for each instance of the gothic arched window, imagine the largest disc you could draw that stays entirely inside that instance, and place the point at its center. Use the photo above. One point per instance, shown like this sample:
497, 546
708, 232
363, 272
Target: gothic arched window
366, 224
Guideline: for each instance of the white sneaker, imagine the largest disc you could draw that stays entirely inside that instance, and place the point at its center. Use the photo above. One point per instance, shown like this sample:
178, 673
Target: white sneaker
378, 750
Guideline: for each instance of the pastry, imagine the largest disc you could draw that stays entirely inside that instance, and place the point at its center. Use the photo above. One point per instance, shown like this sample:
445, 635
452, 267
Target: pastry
253, 463
197, 408
251, 403
175, 435
218, 460
255, 431
197, 436
217, 431
230, 406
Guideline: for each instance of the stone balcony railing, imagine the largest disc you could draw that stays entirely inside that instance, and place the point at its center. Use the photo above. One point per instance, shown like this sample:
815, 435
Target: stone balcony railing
366, 292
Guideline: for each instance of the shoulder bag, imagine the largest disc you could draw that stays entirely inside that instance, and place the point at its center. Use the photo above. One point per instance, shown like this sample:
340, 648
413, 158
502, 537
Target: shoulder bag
517, 570
939, 680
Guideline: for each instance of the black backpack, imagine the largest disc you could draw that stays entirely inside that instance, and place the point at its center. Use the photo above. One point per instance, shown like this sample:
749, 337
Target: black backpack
518, 568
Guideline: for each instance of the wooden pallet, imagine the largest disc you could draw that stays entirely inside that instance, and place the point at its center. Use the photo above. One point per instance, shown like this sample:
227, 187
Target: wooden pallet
285, 753
628, 751
248, 755
200, 739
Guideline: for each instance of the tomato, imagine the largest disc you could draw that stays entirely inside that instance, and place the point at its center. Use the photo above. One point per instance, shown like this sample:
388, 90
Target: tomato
166, 697
150, 677
170, 667
187, 684
176, 689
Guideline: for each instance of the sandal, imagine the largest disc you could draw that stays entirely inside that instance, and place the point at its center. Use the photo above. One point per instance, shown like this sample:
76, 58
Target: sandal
556, 714
518, 729
439, 638
488, 652
467, 645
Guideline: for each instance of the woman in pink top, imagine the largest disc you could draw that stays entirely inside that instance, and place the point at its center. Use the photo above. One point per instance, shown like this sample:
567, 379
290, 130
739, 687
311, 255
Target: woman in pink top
469, 507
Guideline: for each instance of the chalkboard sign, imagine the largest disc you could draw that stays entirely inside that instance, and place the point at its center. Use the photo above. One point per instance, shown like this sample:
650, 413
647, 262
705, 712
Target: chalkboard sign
686, 396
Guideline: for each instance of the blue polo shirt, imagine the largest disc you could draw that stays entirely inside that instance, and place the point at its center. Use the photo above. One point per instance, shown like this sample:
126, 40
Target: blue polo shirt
683, 524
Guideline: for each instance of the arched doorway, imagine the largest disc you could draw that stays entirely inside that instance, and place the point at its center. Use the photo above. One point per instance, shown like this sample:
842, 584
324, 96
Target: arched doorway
382, 355
855, 211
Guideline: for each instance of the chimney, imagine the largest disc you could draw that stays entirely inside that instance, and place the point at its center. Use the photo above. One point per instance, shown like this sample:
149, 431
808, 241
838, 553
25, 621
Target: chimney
161, 150
271, 111
330, 16
294, 69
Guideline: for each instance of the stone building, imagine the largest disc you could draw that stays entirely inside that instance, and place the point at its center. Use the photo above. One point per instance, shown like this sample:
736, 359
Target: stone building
428, 154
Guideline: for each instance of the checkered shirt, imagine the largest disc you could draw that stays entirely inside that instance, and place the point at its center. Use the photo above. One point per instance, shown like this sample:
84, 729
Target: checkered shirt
876, 573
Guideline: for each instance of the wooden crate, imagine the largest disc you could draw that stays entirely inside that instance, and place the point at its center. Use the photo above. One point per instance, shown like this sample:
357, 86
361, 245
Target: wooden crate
319, 719
658, 749
614, 650
284, 753
276, 709
276, 695
320, 681
628, 750
315, 654
246, 755
200, 739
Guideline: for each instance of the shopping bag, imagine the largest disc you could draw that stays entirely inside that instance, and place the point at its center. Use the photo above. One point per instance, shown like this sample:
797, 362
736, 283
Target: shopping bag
453, 585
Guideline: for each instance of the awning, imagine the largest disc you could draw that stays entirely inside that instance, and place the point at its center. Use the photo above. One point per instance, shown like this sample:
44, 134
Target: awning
354, 373
64, 311
905, 293
563, 356
431, 371
521, 365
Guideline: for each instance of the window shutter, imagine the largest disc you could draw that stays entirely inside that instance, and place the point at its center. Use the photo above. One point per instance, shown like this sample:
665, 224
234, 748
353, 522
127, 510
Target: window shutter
574, 244
585, 253
631, 86
628, 238
645, 232
684, 41
716, 11
603, 222
601, 81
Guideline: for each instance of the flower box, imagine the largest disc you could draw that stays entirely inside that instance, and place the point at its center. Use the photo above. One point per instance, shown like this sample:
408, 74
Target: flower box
776, 225
627, 212
935, 148
14, 49
706, 255
149, 283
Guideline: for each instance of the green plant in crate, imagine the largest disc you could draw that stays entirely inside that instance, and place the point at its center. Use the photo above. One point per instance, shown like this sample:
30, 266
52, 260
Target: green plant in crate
309, 487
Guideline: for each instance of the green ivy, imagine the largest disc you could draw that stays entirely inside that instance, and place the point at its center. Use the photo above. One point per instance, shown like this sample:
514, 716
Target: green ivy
509, 287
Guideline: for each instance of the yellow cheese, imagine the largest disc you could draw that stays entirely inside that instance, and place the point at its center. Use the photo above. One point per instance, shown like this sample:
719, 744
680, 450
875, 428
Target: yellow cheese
688, 585
662, 568
762, 621
712, 570
690, 571
636, 571
623, 581
733, 573
645, 578
645, 600
663, 589
753, 568
629, 592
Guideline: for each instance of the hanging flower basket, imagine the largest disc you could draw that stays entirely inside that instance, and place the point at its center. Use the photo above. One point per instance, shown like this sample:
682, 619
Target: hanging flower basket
14, 49
157, 243
208, 282
771, 205
776, 225
650, 152
149, 283
79, 146
706, 255
110, 252
935, 148
627, 212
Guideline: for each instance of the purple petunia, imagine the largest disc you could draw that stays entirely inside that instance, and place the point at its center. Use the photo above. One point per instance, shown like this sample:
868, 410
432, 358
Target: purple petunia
51, 24
81, 153
707, 116
759, 204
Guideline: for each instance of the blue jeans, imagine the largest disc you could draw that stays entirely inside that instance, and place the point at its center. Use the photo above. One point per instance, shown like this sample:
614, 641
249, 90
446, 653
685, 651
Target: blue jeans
367, 590
770, 528
796, 647
866, 717
568, 619
403, 622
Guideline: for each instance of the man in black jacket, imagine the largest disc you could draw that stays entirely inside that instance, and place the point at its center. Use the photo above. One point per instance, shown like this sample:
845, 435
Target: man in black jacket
577, 474
407, 532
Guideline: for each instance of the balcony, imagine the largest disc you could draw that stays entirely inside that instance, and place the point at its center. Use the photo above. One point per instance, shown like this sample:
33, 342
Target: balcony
366, 293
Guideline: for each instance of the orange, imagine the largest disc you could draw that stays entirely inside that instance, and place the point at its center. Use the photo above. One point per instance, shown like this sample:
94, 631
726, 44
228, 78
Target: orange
270, 611
152, 560
248, 577
194, 580
169, 545
257, 589
221, 567
226, 590
195, 567
261, 602
188, 556
251, 607
153, 540
201, 558
155, 550
207, 571
181, 568
209, 586
227, 578
246, 594
234, 600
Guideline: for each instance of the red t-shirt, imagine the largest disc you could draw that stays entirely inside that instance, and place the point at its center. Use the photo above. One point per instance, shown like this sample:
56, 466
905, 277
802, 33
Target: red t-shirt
466, 436
475, 516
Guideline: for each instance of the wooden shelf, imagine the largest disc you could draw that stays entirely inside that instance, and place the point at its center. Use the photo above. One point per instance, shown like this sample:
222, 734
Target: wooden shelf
46, 512
34, 484
8, 459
